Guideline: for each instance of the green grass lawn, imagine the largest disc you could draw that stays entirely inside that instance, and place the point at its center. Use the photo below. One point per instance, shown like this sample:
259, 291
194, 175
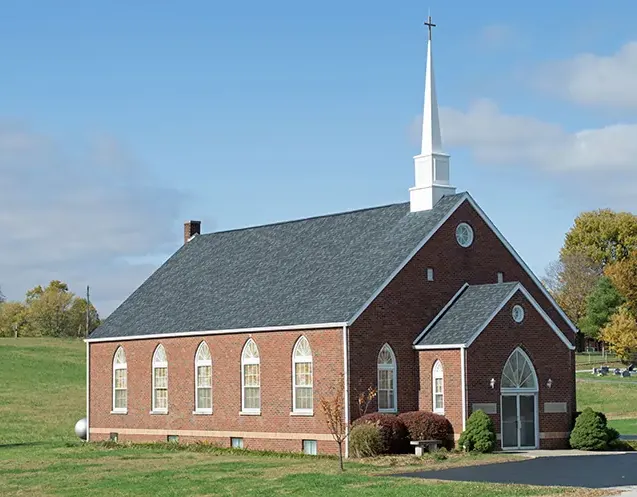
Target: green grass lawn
585, 360
42, 396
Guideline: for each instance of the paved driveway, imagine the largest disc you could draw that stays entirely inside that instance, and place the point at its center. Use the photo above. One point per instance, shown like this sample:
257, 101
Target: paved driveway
601, 471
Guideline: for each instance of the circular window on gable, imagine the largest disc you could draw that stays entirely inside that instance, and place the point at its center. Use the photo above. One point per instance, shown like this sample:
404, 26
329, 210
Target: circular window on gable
464, 235
518, 313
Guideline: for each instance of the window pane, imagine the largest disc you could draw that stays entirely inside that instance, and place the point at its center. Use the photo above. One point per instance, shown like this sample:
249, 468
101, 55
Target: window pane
438, 402
383, 399
204, 376
303, 373
204, 398
161, 378
303, 398
120, 378
386, 379
309, 447
161, 399
120, 399
251, 375
251, 398
438, 382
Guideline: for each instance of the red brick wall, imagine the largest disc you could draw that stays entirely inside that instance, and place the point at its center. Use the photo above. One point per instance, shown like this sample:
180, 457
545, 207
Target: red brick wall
409, 302
550, 356
275, 350
452, 384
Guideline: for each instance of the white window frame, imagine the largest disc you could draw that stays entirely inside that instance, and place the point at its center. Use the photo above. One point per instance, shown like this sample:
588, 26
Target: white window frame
500, 277
430, 274
468, 230
198, 364
437, 372
157, 365
302, 360
387, 367
310, 451
117, 367
245, 361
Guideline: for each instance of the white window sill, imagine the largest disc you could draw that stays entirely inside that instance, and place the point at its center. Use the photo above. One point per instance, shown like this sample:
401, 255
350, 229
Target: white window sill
441, 412
202, 413
302, 413
158, 412
388, 411
250, 413
119, 411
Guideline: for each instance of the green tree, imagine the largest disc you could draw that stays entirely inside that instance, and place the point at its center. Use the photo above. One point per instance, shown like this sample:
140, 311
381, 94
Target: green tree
13, 320
77, 317
623, 274
621, 334
603, 235
570, 280
600, 306
2, 297
48, 309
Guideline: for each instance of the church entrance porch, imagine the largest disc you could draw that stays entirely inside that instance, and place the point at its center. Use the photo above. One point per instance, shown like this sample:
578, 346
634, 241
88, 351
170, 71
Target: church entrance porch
519, 403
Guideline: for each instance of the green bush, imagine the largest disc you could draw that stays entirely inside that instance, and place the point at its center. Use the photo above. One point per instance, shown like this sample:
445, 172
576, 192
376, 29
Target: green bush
393, 433
424, 425
591, 431
365, 440
479, 436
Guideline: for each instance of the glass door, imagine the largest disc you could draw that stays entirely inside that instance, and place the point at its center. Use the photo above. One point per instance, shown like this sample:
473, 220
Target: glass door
527, 421
509, 421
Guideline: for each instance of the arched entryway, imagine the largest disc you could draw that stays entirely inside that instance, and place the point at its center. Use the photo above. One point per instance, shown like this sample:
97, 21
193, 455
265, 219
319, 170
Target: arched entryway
519, 404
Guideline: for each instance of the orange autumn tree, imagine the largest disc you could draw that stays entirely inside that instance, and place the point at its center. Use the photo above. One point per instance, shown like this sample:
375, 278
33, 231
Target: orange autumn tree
333, 406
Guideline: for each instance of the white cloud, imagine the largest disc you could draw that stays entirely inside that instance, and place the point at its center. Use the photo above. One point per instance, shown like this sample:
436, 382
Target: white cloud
78, 215
498, 138
594, 80
497, 35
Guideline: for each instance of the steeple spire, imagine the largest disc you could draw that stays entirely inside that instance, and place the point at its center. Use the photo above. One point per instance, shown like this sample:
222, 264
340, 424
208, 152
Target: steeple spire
432, 165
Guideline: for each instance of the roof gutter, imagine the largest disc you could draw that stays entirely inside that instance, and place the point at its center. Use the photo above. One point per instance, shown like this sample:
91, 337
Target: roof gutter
219, 332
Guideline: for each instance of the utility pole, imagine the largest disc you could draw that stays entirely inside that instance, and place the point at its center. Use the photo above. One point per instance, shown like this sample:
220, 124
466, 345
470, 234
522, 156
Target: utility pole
88, 309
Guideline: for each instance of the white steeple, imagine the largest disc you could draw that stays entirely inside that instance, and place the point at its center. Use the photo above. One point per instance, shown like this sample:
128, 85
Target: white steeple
432, 165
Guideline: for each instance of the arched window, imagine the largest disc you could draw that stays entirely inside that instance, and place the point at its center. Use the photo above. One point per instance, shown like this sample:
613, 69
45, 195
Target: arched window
250, 378
386, 379
120, 381
160, 380
438, 388
302, 377
203, 380
518, 373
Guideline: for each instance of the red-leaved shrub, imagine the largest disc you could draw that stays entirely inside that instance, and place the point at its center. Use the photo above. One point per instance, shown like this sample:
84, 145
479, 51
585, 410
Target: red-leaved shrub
422, 425
394, 436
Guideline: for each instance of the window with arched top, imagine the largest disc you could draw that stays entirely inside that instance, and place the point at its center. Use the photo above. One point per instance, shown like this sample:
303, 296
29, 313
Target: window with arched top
438, 388
386, 365
203, 379
302, 377
519, 374
250, 378
160, 380
120, 381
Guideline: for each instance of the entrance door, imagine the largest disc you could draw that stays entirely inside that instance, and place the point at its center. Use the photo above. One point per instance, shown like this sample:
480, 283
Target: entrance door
518, 422
519, 390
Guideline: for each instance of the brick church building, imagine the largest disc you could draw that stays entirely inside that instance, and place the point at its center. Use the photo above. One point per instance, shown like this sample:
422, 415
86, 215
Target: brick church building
238, 334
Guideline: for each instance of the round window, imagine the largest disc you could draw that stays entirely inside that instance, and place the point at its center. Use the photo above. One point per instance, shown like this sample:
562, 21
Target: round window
464, 235
518, 313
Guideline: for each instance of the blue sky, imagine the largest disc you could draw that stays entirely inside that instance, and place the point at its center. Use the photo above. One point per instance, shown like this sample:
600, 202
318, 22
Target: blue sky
123, 119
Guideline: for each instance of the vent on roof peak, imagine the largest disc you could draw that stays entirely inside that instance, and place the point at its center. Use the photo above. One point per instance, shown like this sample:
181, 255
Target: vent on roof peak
191, 228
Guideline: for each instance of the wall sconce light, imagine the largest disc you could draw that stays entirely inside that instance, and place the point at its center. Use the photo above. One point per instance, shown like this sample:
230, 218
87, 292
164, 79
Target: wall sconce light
492, 383
549, 383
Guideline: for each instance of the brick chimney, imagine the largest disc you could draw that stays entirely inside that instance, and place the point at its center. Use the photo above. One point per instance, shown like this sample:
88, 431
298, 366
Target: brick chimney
191, 228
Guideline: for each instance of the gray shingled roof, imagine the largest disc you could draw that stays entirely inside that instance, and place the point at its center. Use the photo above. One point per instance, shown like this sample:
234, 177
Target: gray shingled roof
317, 270
466, 314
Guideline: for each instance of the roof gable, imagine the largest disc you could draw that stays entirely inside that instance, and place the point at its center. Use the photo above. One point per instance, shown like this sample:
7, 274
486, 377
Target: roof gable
317, 270
470, 311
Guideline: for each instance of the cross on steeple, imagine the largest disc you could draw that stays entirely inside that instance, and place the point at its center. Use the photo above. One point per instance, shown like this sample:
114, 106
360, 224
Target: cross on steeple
430, 25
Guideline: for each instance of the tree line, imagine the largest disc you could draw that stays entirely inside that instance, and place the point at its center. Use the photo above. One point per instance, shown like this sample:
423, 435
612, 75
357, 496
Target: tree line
595, 279
51, 311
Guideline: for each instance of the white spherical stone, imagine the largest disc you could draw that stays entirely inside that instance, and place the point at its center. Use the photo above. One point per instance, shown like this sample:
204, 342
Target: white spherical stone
80, 428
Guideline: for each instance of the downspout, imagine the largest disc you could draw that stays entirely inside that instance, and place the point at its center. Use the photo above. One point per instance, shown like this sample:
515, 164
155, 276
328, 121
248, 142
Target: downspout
88, 383
463, 373
346, 389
